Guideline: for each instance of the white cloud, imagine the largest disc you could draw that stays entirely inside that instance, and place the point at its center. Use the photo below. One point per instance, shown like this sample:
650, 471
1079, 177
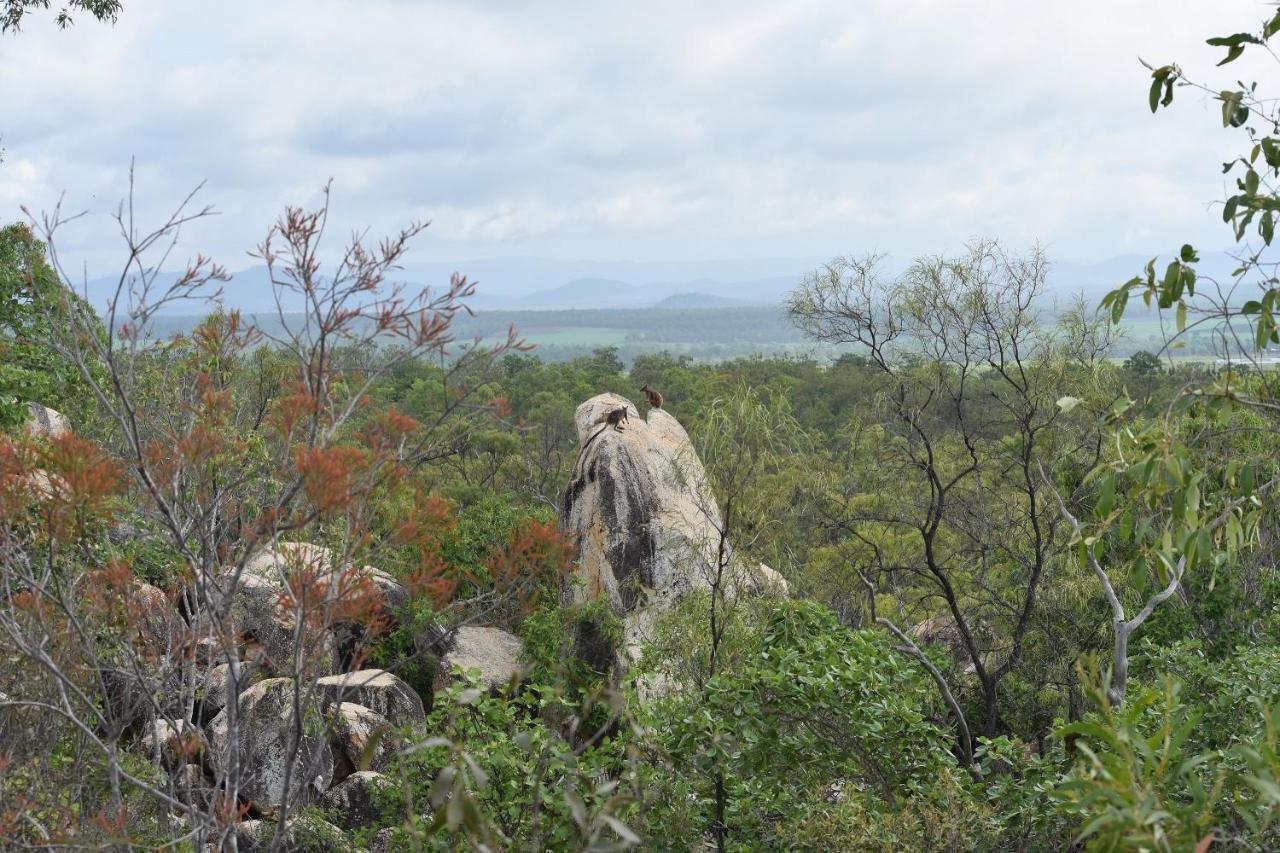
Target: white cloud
611, 130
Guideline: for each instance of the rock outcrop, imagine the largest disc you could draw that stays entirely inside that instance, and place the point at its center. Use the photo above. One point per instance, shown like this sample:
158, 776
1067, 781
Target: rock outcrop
648, 524
173, 743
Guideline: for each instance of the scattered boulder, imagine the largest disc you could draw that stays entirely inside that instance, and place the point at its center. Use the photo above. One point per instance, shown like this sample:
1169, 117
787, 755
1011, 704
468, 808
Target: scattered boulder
286, 556
213, 694
495, 653
301, 835
265, 625
394, 594
146, 677
768, 581
943, 631
172, 742
384, 841
45, 422
354, 728
377, 690
262, 745
352, 803
160, 629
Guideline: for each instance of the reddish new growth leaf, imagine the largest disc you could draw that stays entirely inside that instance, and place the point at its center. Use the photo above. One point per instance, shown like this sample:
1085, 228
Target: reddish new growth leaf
319, 596
532, 562
331, 476
114, 825
291, 410
105, 591
385, 434
80, 485
223, 335
430, 518
17, 468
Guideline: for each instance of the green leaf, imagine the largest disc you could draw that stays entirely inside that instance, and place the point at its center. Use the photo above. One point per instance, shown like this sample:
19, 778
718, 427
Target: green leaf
1118, 305
624, 832
1233, 40
1188, 254
1182, 315
1233, 54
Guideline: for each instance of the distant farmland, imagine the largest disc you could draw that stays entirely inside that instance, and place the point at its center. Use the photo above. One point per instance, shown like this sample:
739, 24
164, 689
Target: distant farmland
702, 334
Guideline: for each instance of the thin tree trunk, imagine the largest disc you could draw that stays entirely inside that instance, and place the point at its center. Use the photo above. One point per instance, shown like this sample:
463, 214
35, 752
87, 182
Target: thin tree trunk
1119, 663
910, 648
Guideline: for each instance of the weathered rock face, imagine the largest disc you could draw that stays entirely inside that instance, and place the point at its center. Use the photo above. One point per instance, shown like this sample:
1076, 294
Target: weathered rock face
267, 628
638, 499
302, 835
354, 728
265, 730
213, 693
495, 653
353, 800
944, 632
191, 785
648, 523
45, 422
378, 690
273, 562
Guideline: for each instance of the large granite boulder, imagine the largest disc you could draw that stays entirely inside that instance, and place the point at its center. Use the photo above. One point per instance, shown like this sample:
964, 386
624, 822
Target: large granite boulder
222, 679
290, 556
648, 525
377, 690
264, 737
303, 834
172, 743
492, 652
254, 604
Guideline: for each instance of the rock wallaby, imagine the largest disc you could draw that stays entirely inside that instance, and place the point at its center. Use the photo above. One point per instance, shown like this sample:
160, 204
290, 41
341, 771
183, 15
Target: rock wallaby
613, 418
655, 397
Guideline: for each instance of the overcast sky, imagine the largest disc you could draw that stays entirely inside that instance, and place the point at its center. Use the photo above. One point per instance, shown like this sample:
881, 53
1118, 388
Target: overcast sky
646, 131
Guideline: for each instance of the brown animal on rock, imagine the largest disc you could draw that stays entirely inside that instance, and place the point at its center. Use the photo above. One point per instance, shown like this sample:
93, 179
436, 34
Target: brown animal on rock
613, 418
655, 397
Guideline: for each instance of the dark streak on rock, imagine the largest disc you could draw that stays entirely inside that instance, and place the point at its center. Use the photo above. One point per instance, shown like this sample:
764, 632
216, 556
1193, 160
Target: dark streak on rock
632, 554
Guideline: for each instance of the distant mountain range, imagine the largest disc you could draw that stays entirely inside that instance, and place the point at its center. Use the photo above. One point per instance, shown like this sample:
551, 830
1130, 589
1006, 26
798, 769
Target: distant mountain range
540, 283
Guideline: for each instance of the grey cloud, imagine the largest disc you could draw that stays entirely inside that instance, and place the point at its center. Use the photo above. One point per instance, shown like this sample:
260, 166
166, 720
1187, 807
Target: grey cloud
669, 130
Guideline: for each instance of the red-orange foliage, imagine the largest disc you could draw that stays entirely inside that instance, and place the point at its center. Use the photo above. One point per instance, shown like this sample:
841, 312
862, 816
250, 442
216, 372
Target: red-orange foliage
87, 480
534, 559
333, 476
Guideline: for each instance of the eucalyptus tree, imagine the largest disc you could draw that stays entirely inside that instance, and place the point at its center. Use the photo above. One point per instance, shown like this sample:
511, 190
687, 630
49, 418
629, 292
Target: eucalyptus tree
941, 492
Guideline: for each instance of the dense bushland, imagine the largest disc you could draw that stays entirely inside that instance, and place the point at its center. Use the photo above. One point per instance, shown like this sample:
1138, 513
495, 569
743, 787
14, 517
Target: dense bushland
1033, 589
